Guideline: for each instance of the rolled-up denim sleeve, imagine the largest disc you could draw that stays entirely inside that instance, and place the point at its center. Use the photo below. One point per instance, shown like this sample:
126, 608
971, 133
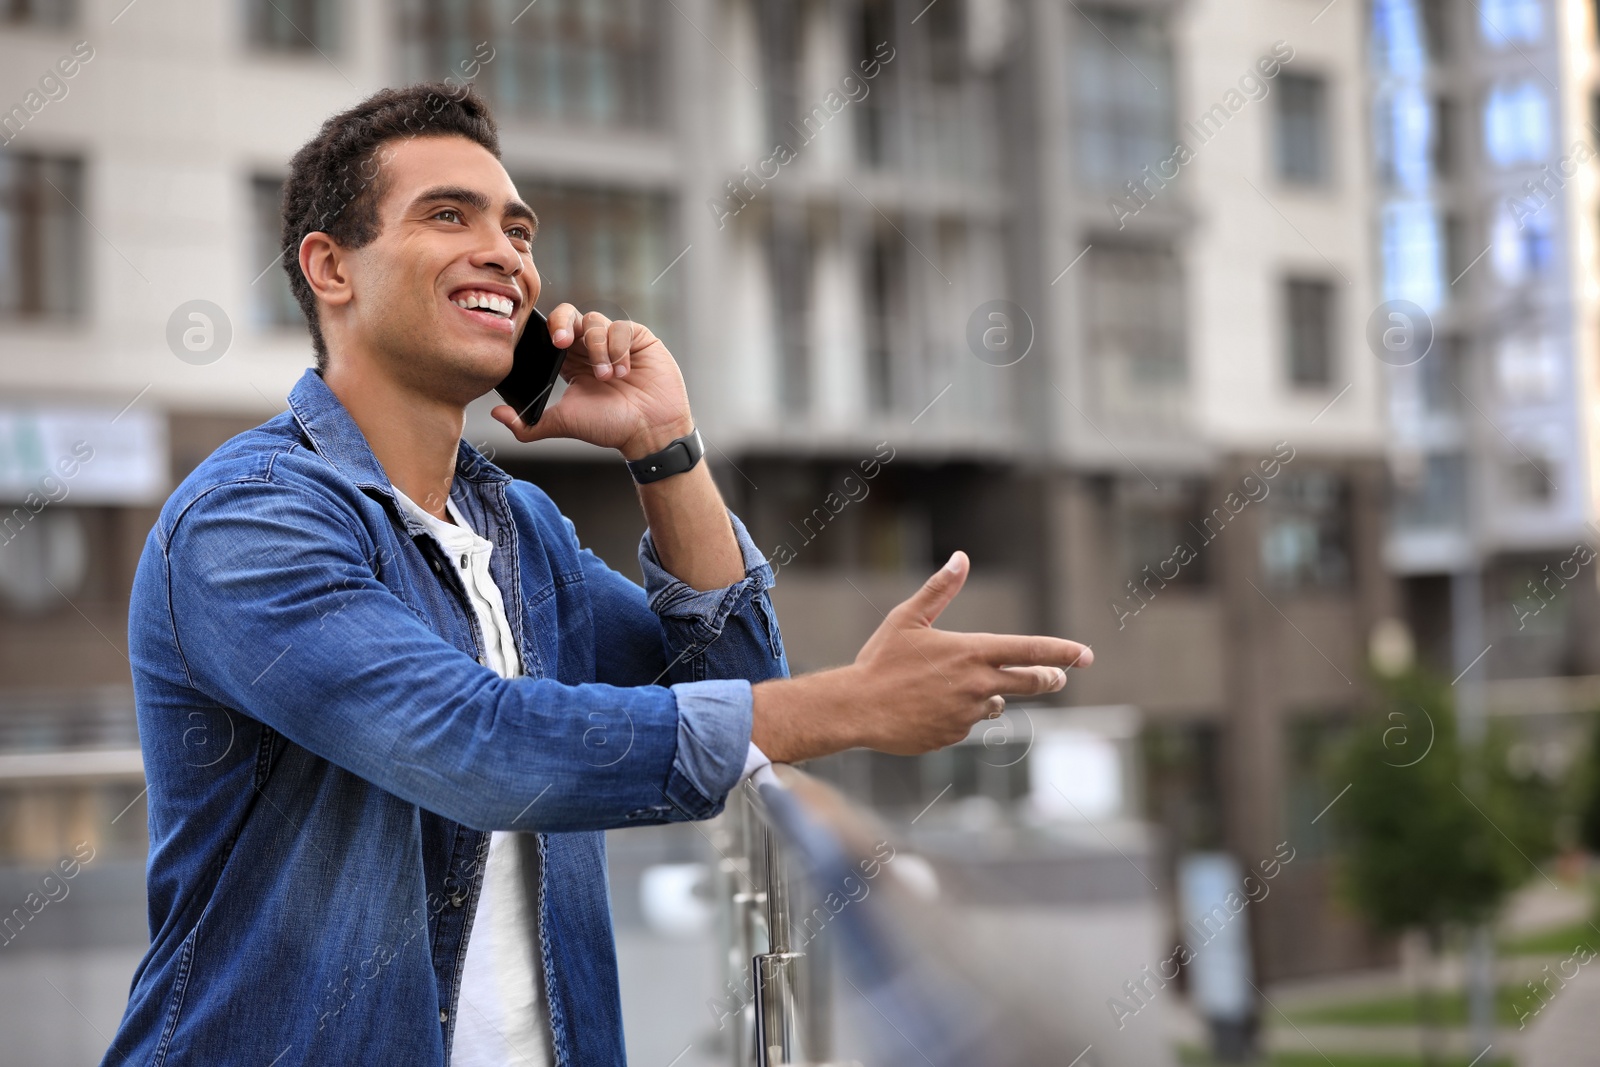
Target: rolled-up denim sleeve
728, 638
727, 632
714, 719
707, 646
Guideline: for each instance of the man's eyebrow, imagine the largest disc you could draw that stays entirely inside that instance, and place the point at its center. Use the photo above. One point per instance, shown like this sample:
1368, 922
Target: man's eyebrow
461, 194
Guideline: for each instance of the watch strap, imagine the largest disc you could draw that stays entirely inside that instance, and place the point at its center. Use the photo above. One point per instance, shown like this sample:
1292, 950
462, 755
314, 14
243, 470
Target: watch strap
678, 456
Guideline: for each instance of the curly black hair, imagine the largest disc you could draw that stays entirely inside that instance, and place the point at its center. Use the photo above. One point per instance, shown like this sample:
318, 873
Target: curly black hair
336, 179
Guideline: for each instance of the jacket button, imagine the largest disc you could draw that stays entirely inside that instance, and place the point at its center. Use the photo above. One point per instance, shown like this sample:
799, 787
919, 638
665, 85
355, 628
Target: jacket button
434, 564
457, 901
444, 1016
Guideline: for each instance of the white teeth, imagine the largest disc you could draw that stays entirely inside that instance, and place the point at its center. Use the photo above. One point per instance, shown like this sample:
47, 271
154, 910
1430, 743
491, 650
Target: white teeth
500, 305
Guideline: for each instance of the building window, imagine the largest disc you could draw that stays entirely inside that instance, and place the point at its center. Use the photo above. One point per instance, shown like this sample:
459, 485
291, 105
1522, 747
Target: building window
1457, 257
1311, 742
1397, 46
1305, 534
875, 120
272, 302
1183, 772
41, 237
1135, 326
886, 316
1442, 137
1309, 315
1121, 81
789, 267
594, 62
929, 107
781, 27
1432, 495
605, 250
1443, 372
1436, 29
1524, 248
1516, 124
1402, 140
1528, 367
1528, 478
1152, 527
1302, 129
1502, 22
1412, 246
48, 564
38, 12
293, 25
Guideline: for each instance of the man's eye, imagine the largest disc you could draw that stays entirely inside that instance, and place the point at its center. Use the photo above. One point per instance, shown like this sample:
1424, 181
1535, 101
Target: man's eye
447, 211
521, 233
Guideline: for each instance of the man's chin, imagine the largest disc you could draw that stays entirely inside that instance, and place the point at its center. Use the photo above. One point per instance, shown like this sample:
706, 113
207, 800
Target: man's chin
462, 373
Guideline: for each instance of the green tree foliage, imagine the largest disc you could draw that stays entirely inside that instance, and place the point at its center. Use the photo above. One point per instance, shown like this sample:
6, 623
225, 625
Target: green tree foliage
1429, 836
1586, 783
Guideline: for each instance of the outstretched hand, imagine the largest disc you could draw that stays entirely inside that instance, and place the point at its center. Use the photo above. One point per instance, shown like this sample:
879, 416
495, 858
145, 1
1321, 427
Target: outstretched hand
912, 688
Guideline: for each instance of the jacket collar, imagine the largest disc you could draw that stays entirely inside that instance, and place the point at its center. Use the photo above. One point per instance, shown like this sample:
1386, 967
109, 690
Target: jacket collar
325, 420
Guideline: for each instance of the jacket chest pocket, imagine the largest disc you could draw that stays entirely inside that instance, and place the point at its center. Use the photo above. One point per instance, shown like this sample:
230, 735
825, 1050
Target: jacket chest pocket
541, 643
560, 625
431, 589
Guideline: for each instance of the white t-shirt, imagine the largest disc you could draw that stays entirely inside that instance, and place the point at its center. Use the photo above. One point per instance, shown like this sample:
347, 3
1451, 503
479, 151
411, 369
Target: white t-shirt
504, 1016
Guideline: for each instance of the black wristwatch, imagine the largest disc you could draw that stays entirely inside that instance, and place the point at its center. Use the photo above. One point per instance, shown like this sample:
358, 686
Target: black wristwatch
678, 456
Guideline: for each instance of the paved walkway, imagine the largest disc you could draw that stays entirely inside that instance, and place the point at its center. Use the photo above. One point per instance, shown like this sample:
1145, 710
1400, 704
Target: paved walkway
1567, 1032
1329, 1041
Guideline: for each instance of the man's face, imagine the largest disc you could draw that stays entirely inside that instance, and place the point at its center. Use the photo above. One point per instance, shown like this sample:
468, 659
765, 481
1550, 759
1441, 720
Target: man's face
452, 233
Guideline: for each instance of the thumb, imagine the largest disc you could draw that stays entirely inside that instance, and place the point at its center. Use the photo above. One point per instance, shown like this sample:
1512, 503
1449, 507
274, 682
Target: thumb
552, 423
924, 606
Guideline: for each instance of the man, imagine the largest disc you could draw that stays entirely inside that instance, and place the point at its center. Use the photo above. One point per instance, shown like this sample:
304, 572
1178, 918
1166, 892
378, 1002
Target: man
381, 687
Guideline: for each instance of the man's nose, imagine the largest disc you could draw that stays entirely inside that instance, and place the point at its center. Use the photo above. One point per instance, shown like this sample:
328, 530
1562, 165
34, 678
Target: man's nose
500, 254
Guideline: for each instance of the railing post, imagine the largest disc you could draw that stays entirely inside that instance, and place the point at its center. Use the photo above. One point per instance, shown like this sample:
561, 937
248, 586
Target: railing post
776, 971
744, 926
767, 1028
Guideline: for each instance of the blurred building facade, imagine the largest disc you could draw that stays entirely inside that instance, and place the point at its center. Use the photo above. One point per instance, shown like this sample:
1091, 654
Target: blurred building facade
1485, 134
940, 276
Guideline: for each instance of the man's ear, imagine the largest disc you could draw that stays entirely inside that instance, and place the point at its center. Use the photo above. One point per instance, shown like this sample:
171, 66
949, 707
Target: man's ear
322, 262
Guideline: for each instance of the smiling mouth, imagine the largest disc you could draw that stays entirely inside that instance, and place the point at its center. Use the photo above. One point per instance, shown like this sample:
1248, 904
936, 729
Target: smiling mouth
489, 309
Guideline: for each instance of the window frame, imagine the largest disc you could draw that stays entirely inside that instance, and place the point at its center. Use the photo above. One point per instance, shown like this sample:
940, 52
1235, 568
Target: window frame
1291, 283
1111, 119
46, 272
326, 38
1323, 139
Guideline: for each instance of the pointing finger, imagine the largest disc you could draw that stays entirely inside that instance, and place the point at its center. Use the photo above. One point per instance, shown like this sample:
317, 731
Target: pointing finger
1013, 650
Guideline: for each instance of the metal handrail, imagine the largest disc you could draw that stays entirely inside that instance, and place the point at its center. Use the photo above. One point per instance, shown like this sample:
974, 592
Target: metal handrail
72, 765
753, 885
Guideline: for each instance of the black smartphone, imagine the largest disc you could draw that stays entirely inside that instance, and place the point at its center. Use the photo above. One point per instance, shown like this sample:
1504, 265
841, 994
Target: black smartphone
534, 368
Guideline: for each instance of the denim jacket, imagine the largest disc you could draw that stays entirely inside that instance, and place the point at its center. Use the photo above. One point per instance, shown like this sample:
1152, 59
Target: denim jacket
326, 750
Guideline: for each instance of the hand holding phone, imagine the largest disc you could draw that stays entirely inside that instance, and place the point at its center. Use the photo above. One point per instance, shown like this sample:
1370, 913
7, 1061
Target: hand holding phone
624, 390
535, 365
